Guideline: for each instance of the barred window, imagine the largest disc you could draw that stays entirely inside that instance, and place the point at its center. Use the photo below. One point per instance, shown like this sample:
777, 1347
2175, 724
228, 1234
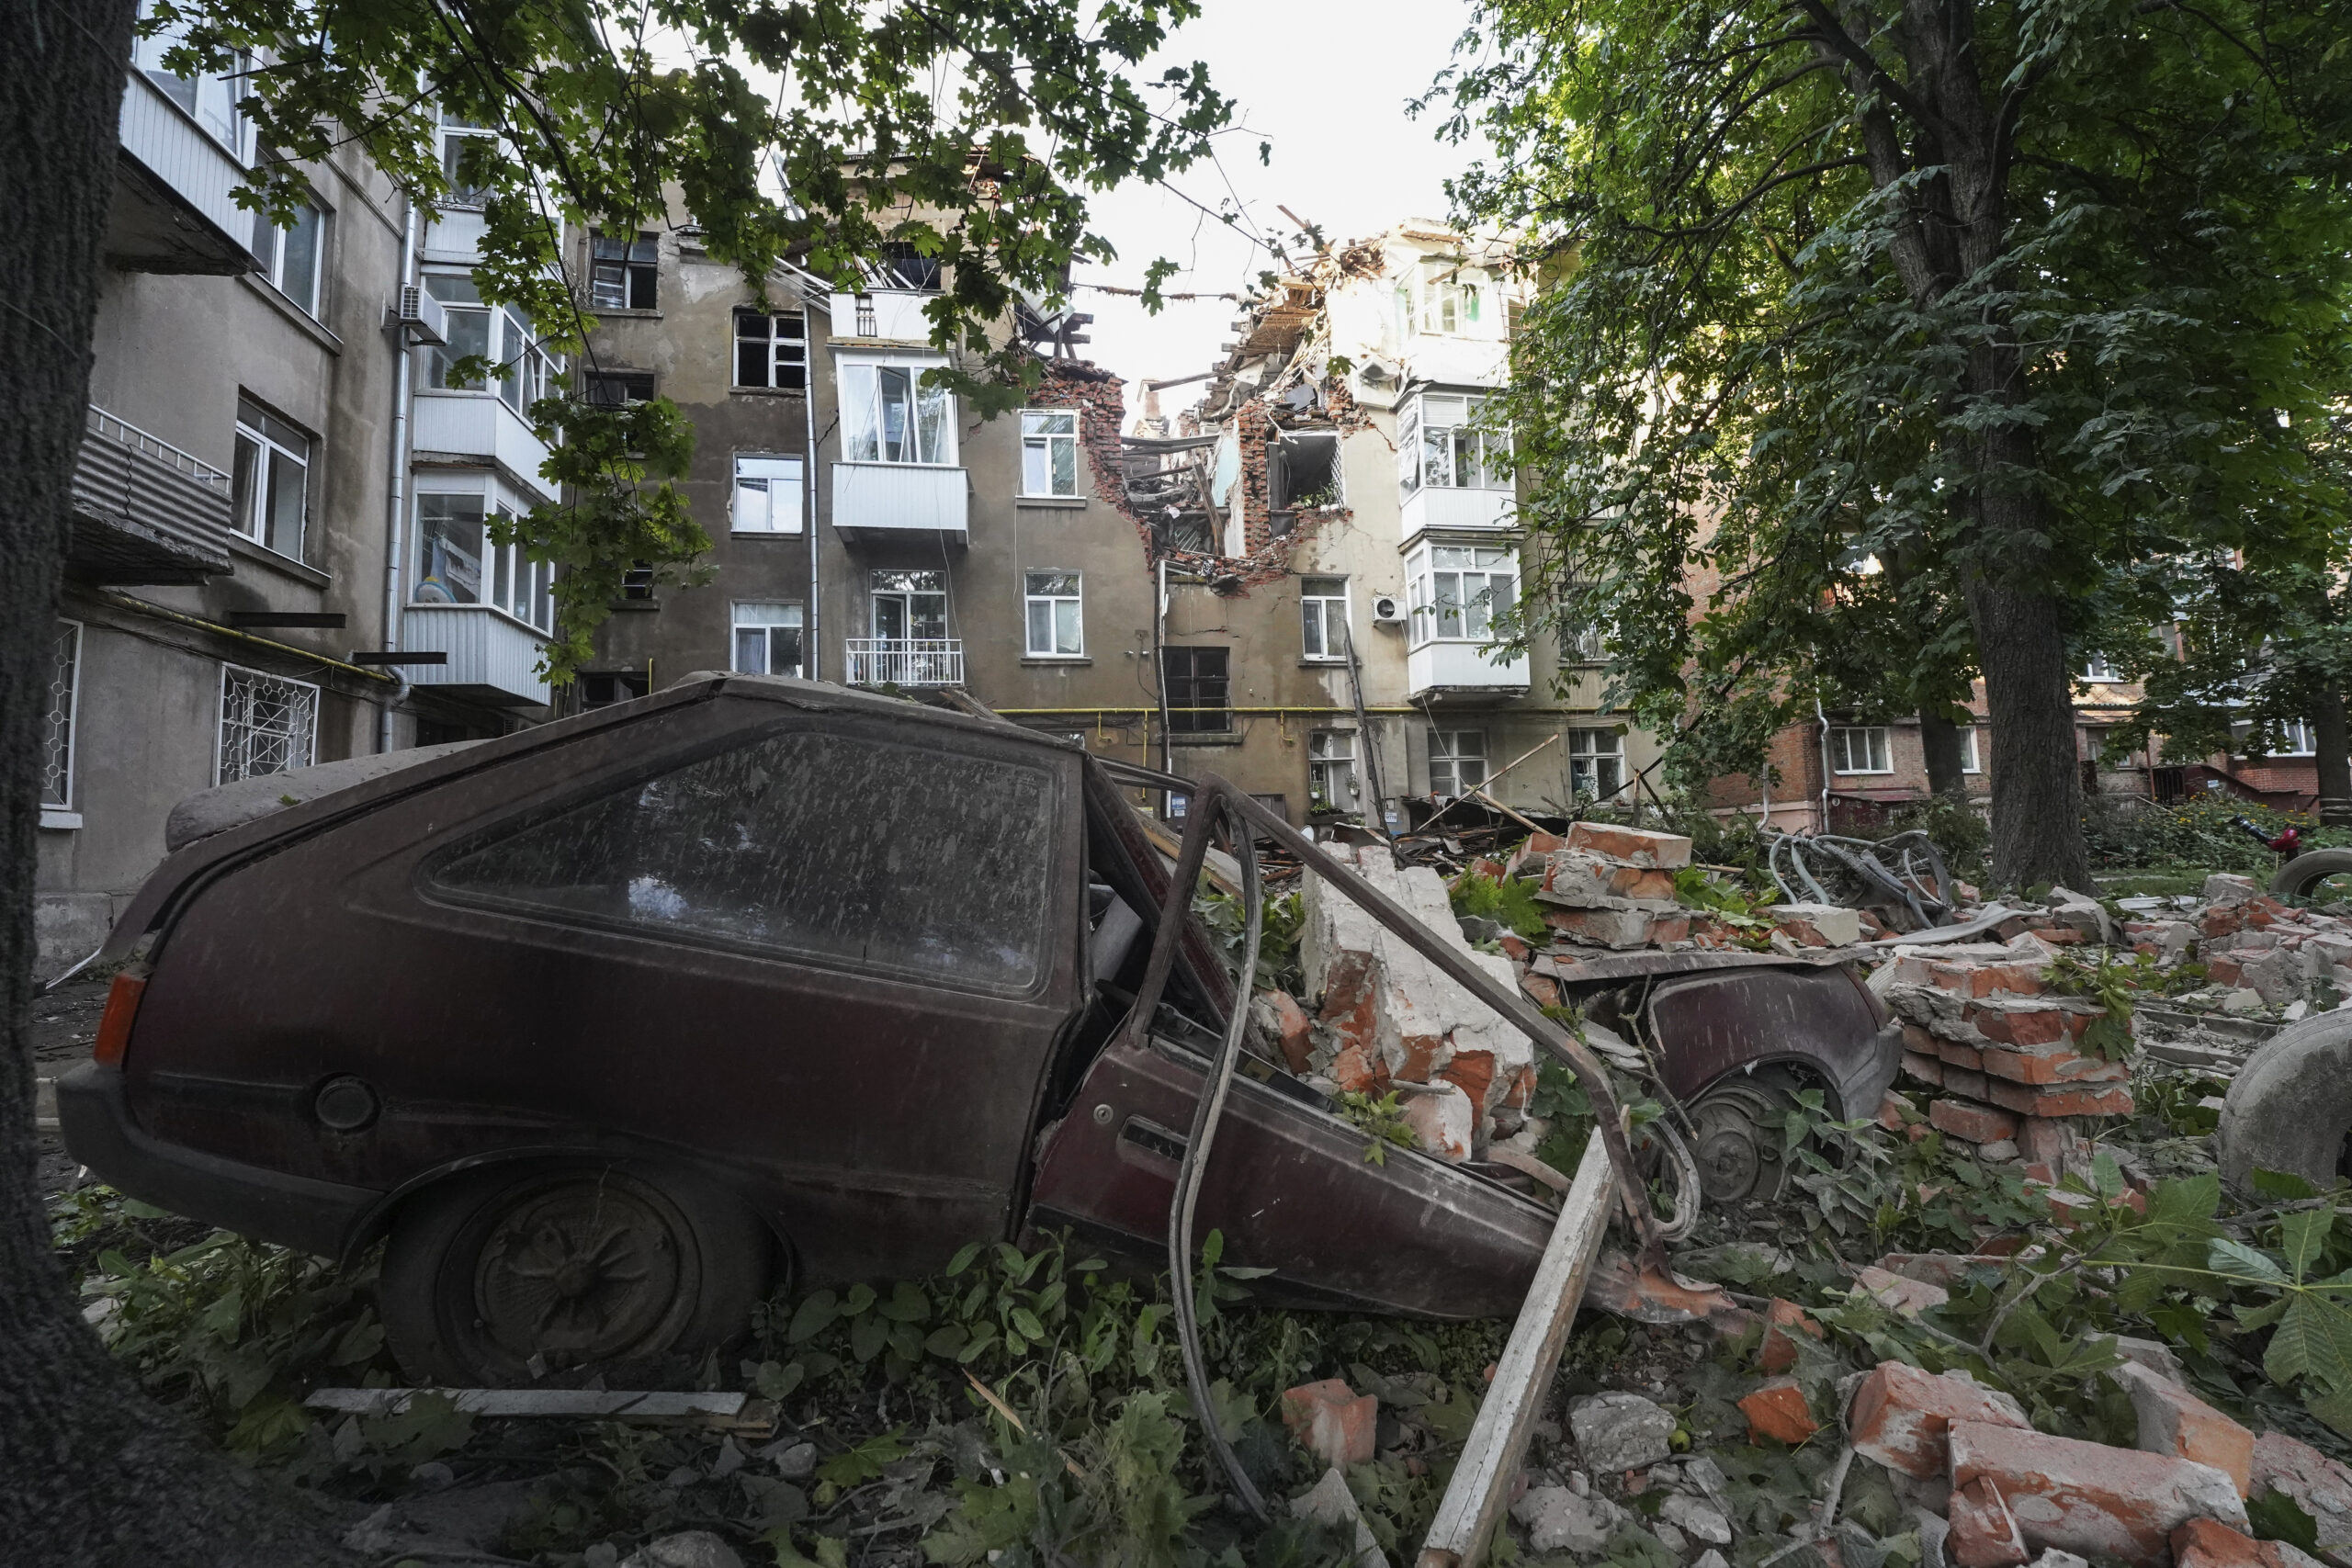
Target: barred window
57, 724
268, 725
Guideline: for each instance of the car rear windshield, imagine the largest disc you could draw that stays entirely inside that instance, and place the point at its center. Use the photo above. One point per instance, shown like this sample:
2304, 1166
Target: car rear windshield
847, 850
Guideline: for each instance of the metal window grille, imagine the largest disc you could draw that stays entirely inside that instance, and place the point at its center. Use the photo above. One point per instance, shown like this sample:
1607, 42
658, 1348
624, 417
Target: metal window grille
57, 724
267, 724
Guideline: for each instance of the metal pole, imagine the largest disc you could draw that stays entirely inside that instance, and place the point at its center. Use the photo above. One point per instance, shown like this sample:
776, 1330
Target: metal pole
396, 488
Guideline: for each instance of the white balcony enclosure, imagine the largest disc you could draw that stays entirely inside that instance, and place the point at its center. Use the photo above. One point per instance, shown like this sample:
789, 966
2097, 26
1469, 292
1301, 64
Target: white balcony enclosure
905, 661
1438, 507
878, 502
481, 428
494, 659
886, 315
1460, 667
456, 236
174, 207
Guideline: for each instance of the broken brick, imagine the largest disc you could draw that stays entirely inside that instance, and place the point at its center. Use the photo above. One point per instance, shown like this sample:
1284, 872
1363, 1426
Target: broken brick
1927, 1069
2025, 1021
1333, 1422
2209, 1543
1442, 1118
2089, 1498
1779, 1351
1635, 846
1894, 1112
1970, 1121
1952, 1054
1777, 1410
1984, 1533
2049, 1066
2175, 1421
2061, 1099
1901, 1416
1291, 1028
1909, 1297
2320, 1486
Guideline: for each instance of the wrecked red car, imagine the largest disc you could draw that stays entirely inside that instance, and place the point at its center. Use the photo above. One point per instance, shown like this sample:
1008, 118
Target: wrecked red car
608, 1027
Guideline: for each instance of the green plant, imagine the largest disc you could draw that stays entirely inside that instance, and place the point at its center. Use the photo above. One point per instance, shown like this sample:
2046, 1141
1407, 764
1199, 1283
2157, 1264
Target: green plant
1382, 1118
1284, 920
1508, 901
2109, 1036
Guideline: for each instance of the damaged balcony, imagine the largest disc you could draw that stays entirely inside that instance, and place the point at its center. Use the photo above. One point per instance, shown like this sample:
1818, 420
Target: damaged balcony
174, 207
145, 512
904, 661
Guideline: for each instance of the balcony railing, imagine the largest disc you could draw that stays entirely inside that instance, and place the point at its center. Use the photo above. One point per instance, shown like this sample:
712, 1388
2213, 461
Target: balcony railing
145, 512
906, 662
494, 659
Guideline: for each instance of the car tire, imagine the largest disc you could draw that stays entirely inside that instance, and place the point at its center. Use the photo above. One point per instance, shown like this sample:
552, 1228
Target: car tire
2290, 1107
550, 1274
1737, 1140
2307, 871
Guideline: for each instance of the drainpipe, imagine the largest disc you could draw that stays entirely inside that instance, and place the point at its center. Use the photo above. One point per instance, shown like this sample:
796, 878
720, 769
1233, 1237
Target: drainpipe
396, 490
1160, 672
1819, 713
812, 655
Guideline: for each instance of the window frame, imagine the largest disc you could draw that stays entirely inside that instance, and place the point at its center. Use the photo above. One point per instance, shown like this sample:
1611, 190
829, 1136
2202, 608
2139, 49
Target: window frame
495, 498
931, 407
798, 624
269, 246
269, 437
308, 707
1842, 750
1427, 611
1421, 439
1032, 600
1971, 754
2297, 739
449, 133
628, 380
634, 269
61, 732
1321, 762
1197, 718
797, 474
1045, 441
2097, 670
212, 100
520, 373
1445, 750
779, 351
1315, 620
1592, 735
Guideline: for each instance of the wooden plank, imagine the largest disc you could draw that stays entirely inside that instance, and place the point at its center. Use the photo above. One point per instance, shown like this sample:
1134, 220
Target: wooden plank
1474, 1500
724, 1412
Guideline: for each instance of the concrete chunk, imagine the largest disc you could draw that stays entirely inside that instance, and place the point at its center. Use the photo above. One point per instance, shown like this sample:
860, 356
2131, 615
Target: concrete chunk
2088, 1497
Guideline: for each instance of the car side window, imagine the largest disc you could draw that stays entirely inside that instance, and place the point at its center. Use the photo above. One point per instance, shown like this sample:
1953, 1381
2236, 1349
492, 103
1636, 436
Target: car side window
849, 851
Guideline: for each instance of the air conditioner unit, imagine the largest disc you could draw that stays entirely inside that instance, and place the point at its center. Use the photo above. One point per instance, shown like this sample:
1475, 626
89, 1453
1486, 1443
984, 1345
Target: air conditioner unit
421, 318
1388, 610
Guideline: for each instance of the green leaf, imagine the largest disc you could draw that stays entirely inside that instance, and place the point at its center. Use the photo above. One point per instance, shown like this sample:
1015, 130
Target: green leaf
774, 1382
867, 1335
813, 1317
1027, 1323
2335, 1408
962, 1258
2283, 1187
907, 1303
2314, 1340
2303, 1236
2276, 1515
2230, 1257
947, 1343
860, 1297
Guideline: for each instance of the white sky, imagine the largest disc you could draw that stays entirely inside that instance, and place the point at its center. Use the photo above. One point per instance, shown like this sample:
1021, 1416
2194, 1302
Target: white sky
1326, 82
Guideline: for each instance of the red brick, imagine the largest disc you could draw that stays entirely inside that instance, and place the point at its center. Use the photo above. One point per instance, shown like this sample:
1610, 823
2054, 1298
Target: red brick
1472, 1072
1983, 1534
2175, 1421
2012, 979
1514, 947
2044, 1066
1635, 846
2051, 1141
1966, 1082
2320, 1486
2089, 1498
2056, 1100
1293, 1028
2223, 970
1543, 844
1927, 1069
2219, 920
1331, 1422
1917, 1039
1895, 1111
1901, 1416
1543, 988
1671, 928
1972, 1122
1779, 1351
2209, 1543
2019, 1022
1777, 1411
1951, 1052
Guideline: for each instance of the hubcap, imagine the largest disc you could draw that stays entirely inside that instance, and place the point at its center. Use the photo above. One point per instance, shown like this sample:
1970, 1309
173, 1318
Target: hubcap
581, 1272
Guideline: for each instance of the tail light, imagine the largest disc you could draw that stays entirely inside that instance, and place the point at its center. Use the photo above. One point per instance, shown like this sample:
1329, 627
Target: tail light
114, 1024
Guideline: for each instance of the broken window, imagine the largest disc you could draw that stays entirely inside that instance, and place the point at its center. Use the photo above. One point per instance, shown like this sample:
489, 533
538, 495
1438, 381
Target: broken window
1196, 685
1049, 452
624, 271
904, 267
1323, 615
618, 389
798, 846
1056, 625
767, 495
1861, 748
1596, 762
1460, 592
1457, 762
770, 351
603, 690
268, 724
1303, 471
889, 416
1330, 770
767, 639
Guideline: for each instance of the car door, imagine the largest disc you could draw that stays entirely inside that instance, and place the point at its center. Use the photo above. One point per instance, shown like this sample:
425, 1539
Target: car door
822, 951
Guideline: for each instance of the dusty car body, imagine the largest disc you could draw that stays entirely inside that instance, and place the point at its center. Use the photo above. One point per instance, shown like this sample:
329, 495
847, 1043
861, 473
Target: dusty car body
611, 1024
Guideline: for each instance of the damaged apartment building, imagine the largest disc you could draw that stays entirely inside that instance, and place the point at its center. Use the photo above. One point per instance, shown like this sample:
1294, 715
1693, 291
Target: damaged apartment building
1335, 527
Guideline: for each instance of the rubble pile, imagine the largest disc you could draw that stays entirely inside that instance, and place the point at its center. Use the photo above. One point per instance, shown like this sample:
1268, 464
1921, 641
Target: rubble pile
2259, 952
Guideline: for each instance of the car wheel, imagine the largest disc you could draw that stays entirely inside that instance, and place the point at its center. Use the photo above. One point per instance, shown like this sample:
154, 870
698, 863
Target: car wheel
2290, 1107
1738, 1140
2314, 874
519, 1275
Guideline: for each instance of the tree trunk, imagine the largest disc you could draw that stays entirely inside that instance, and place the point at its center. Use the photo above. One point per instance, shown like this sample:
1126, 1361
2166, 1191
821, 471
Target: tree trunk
91, 1472
2333, 754
1939, 739
2036, 787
